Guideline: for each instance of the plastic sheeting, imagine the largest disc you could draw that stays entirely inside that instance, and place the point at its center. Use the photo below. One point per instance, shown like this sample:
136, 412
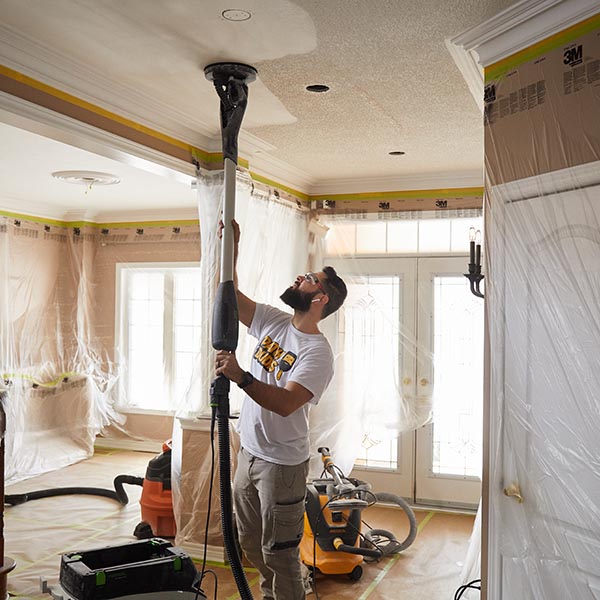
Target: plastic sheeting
58, 385
543, 293
65, 367
275, 246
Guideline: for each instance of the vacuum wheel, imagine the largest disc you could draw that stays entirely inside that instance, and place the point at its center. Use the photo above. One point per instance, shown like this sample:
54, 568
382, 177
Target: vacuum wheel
356, 573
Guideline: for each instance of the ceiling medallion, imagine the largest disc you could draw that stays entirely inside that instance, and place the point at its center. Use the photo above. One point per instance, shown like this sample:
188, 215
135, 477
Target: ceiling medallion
87, 178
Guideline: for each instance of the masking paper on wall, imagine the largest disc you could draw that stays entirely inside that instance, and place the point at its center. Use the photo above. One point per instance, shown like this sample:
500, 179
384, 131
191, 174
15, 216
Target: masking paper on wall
542, 115
543, 296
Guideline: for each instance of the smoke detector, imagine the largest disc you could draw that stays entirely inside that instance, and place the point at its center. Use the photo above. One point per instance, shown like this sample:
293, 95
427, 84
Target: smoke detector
87, 178
236, 14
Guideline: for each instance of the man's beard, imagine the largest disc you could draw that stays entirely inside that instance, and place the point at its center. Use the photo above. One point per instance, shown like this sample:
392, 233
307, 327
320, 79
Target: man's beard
297, 299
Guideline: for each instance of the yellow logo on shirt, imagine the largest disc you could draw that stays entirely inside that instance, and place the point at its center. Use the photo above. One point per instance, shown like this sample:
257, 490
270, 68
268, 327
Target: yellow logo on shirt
271, 355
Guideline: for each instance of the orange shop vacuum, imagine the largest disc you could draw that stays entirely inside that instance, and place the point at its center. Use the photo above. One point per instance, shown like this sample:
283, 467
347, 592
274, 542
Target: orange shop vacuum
156, 500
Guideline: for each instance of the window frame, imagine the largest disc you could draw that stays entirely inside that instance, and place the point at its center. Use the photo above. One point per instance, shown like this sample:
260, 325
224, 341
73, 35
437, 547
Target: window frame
121, 333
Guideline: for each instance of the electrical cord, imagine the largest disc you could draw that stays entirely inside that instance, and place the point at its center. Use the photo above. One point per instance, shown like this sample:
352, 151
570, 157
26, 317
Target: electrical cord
467, 586
204, 570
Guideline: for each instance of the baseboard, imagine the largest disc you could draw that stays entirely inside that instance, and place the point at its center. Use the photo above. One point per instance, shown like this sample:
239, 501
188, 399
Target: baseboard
215, 554
129, 444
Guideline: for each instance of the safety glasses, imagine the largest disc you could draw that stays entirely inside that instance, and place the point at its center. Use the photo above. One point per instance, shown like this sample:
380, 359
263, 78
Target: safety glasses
314, 280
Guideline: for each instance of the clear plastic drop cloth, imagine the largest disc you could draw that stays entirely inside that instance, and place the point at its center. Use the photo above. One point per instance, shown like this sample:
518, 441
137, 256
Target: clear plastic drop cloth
542, 211
58, 385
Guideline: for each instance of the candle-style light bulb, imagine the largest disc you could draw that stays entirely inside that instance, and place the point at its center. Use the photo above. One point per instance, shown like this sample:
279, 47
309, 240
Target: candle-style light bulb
478, 248
472, 246
477, 237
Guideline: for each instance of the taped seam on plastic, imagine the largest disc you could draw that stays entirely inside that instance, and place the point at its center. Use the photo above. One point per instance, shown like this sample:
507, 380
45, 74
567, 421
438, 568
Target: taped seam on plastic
62, 378
426, 520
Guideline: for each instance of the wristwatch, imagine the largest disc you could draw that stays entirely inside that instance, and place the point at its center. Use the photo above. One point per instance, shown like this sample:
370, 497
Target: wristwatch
247, 379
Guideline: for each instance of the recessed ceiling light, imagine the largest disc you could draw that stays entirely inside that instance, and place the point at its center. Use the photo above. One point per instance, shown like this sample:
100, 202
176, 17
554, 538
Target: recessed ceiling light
396, 153
88, 178
236, 14
318, 88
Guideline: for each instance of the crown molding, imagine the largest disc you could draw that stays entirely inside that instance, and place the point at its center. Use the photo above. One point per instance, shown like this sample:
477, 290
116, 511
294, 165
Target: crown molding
280, 172
471, 70
39, 210
145, 216
32, 209
27, 56
43, 121
518, 27
426, 181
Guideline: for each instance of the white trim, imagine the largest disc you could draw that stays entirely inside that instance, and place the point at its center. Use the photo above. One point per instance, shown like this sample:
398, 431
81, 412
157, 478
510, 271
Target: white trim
201, 423
571, 178
43, 121
514, 29
279, 171
29, 57
33, 209
138, 216
471, 70
213, 553
522, 25
425, 181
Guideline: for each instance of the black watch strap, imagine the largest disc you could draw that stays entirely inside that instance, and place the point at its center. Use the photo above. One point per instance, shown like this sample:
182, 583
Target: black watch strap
246, 380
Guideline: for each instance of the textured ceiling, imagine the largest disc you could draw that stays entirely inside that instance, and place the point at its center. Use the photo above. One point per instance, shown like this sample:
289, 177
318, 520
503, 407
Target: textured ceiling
394, 85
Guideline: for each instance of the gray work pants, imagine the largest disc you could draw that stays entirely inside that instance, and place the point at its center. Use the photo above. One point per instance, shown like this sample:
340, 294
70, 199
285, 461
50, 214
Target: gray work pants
269, 510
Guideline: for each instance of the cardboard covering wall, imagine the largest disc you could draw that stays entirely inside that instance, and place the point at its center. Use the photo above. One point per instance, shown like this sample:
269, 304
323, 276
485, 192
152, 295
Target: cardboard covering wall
542, 213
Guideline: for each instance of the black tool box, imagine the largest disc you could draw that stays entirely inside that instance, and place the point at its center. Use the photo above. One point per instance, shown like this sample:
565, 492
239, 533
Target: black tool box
139, 567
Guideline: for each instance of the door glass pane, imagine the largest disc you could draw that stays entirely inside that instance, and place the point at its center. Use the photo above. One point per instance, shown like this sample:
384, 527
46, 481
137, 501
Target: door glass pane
458, 378
371, 355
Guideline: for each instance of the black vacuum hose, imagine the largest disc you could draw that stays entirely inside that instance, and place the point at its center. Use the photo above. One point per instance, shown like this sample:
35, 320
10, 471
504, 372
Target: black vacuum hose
118, 494
227, 508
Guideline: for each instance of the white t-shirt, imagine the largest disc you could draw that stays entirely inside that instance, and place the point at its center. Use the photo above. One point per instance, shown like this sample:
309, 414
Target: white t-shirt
283, 354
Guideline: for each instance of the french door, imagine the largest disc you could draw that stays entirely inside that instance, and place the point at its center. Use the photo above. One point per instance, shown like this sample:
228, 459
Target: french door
416, 332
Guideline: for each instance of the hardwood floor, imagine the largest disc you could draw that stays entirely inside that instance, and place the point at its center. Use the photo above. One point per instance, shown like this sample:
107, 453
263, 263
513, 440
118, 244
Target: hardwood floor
38, 532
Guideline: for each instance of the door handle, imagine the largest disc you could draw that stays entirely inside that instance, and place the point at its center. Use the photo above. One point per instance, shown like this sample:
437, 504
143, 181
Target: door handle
424, 381
514, 491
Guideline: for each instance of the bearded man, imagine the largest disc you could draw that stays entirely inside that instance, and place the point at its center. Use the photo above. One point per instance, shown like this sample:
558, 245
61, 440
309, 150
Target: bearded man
290, 369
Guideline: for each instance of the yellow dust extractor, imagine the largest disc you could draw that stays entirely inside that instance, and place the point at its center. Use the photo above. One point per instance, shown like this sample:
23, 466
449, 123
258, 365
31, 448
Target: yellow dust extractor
333, 542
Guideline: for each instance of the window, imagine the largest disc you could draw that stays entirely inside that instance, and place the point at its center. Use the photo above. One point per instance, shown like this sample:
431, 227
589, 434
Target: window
374, 317
410, 234
158, 333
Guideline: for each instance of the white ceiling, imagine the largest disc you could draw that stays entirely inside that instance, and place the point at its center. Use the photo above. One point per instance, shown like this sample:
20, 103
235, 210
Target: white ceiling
394, 86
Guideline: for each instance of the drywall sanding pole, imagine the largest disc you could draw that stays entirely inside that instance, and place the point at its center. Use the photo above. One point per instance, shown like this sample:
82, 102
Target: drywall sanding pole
230, 81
